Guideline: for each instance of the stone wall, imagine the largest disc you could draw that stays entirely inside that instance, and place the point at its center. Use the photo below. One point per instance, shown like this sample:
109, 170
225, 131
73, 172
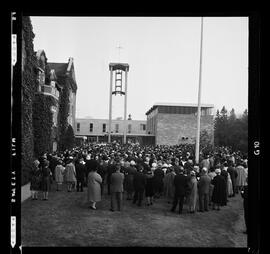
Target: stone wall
172, 127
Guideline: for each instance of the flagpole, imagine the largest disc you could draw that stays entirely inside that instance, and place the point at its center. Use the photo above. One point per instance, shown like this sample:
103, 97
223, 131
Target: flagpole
199, 100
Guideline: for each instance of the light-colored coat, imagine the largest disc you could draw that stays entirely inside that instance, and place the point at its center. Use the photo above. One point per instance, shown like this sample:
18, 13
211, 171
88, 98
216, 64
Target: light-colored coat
58, 173
193, 197
70, 173
242, 176
117, 181
94, 189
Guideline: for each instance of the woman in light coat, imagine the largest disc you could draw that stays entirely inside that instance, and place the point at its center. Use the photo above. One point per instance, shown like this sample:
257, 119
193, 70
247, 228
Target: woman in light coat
70, 174
94, 188
193, 196
58, 174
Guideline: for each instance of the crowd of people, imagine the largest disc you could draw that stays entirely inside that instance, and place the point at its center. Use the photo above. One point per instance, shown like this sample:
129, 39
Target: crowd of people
144, 173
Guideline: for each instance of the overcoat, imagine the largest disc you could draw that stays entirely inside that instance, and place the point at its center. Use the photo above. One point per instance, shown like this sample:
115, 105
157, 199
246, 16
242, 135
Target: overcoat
219, 195
35, 179
94, 189
70, 173
58, 173
241, 177
168, 184
204, 184
117, 181
193, 196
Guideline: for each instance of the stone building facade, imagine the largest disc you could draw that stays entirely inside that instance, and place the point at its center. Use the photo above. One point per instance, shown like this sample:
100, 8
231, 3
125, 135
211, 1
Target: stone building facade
173, 124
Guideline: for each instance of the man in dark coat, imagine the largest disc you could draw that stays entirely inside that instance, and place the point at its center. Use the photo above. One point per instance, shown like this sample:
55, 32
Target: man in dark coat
203, 190
219, 196
80, 174
233, 174
110, 169
139, 182
224, 173
158, 182
181, 186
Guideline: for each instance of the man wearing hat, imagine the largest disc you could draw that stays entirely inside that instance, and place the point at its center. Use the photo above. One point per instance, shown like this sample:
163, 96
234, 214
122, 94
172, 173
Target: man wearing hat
181, 185
203, 190
158, 181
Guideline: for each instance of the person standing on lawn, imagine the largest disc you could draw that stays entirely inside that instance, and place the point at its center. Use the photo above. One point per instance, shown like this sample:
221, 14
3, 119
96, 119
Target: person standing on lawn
139, 182
58, 174
193, 192
70, 174
149, 187
203, 190
117, 181
35, 177
231, 170
130, 171
45, 179
80, 173
94, 188
219, 196
181, 185
168, 185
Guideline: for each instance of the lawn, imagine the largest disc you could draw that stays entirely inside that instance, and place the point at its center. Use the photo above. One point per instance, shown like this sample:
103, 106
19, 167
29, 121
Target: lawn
66, 220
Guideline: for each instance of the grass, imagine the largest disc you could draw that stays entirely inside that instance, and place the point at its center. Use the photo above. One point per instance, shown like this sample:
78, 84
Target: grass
66, 220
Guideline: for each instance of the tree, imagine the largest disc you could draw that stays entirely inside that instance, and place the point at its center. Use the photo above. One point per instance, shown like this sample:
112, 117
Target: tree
29, 83
69, 138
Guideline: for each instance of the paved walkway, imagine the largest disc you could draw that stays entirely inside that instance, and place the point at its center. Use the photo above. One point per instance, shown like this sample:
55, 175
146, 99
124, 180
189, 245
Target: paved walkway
66, 220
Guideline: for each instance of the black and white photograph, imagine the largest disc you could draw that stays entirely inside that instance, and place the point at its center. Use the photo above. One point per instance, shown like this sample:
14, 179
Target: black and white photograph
134, 131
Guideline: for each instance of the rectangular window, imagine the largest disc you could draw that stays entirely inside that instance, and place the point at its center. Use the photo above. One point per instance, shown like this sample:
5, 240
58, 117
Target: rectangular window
117, 128
78, 127
129, 128
142, 127
91, 127
104, 127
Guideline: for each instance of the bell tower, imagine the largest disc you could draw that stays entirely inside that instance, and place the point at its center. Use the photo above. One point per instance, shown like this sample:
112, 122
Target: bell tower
118, 86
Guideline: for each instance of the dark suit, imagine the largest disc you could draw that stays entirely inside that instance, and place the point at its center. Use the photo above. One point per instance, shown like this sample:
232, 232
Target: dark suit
117, 181
80, 174
181, 186
203, 190
139, 182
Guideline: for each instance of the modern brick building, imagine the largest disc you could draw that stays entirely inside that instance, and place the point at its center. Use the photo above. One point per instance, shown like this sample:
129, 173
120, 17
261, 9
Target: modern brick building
176, 123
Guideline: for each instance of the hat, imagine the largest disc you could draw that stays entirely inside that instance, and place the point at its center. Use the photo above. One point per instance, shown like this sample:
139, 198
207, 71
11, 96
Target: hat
204, 169
164, 165
154, 165
132, 163
88, 157
192, 172
218, 171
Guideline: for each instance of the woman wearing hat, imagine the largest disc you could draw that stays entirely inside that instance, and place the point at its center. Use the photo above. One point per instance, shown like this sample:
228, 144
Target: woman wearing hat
219, 196
94, 188
193, 192
58, 174
70, 174
35, 174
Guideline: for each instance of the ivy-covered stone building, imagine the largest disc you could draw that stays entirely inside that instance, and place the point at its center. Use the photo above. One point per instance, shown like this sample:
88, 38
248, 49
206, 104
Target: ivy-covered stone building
57, 88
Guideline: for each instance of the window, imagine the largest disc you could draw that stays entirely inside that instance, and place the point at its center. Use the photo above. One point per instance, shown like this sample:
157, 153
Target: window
78, 127
104, 127
117, 128
142, 127
129, 128
91, 127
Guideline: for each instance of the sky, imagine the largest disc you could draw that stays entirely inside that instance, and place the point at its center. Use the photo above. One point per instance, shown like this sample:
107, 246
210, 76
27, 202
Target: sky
163, 54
